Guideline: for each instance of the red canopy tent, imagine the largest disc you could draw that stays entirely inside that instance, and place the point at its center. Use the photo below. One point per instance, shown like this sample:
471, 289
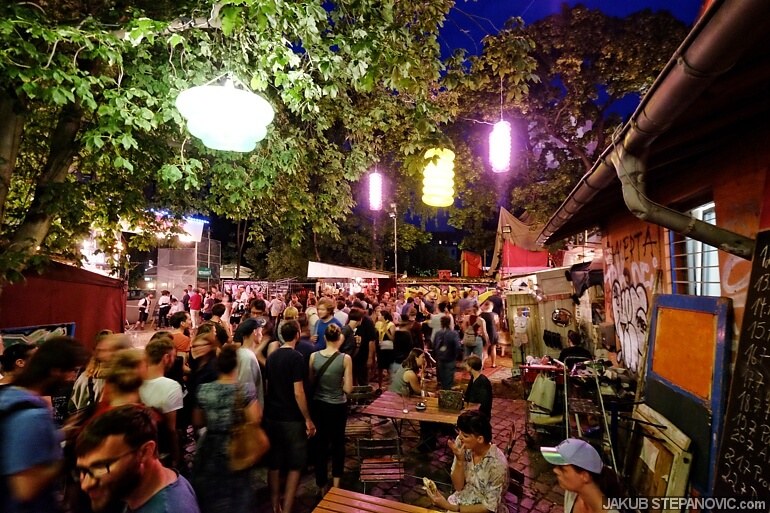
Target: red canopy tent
65, 294
516, 249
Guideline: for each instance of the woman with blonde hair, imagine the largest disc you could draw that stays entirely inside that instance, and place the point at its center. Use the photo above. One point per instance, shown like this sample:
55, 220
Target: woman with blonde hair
290, 314
89, 385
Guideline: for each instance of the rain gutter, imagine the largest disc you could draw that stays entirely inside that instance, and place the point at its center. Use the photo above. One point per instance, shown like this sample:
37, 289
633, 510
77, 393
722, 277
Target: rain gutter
716, 42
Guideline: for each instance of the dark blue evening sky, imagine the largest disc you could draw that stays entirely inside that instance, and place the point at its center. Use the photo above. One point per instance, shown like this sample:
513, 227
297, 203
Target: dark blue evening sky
471, 20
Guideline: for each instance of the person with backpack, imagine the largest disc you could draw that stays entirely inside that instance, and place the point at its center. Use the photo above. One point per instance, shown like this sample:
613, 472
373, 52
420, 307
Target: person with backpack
446, 346
30, 443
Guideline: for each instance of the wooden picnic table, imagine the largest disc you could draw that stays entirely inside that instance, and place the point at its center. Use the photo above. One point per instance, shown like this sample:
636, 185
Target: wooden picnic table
338, 500
391, 405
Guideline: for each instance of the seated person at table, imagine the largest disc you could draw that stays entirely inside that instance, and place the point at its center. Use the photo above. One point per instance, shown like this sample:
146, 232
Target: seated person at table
479, 388
575, 352
407, 377
479, 470
407, 381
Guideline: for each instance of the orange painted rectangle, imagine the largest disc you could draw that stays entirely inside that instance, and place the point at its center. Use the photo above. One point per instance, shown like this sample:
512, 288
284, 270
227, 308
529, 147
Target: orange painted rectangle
684, 349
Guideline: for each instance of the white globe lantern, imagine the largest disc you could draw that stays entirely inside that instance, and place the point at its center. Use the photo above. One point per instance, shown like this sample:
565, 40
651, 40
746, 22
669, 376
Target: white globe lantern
224, 117
438, 178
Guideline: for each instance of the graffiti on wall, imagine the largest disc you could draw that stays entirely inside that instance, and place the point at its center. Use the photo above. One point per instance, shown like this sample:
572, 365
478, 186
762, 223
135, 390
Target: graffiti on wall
629, 278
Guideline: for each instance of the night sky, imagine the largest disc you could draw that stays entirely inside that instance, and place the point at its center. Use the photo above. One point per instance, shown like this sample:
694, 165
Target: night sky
471, 20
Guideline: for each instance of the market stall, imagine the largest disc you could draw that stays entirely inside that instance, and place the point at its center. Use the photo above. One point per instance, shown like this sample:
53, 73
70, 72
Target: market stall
351, 279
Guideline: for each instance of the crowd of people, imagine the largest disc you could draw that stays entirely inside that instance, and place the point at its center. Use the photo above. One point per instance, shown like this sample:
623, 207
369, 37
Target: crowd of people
283, 364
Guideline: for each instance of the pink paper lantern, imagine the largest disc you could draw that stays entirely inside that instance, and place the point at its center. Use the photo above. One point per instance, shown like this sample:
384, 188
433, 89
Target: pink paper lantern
375, 191
500, 147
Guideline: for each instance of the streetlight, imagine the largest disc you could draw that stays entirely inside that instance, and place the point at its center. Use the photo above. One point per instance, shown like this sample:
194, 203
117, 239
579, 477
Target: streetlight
392, 214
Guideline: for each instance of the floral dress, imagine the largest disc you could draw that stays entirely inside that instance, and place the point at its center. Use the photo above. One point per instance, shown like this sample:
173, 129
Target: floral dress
220, 490
486, 482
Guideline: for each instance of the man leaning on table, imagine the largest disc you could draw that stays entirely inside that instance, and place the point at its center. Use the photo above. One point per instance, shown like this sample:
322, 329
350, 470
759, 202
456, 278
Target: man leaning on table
479, 470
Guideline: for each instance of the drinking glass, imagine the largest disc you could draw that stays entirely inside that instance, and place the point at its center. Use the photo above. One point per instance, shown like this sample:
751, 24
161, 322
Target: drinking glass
405, 398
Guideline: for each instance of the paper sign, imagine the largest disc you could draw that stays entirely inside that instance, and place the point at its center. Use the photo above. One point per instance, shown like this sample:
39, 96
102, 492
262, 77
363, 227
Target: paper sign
649, 453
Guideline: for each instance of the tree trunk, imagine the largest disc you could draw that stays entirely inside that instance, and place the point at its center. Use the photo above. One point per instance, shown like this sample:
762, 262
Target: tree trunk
10, 140
374, 243
315, 246
240, 241
37, 222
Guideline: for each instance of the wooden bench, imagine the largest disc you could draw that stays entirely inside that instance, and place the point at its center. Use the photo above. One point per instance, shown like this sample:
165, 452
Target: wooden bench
345, 501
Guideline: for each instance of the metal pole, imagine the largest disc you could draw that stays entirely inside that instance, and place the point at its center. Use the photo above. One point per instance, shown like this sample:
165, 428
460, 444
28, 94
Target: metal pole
395, 246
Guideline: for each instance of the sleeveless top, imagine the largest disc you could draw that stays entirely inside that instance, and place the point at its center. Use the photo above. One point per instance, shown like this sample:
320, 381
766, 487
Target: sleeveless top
329, 388
398, 385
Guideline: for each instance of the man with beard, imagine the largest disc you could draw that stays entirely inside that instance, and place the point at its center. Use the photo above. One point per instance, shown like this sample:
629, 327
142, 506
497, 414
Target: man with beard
30, 443
118, 462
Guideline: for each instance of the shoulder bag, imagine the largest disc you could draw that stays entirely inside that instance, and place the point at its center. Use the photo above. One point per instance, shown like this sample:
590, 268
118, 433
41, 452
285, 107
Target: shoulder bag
469, 338
317, 380
248, 441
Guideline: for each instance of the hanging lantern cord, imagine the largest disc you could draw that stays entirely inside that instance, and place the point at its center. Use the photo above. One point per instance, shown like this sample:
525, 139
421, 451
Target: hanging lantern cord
501, 97
229, 75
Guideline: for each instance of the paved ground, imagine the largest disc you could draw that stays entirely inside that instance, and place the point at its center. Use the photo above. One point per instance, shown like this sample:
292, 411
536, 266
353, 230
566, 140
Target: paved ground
542, 494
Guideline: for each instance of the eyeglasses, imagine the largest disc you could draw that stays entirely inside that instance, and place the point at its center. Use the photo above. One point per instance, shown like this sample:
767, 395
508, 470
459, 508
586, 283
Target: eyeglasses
99, 470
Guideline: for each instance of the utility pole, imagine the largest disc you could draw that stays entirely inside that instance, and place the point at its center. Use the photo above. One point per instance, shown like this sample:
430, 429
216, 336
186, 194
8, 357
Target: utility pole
393, 212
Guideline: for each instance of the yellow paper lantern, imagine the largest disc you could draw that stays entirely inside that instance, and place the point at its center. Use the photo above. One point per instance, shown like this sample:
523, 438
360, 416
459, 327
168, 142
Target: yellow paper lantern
438, 178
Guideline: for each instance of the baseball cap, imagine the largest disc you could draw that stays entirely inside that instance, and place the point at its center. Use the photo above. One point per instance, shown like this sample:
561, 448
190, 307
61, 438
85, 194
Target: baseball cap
573, 451
245, 329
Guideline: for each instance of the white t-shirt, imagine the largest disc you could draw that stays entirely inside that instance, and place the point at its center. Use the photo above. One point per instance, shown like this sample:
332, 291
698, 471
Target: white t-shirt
249, 372
276, 307
162, 393
435, 324
341, 316
312, 318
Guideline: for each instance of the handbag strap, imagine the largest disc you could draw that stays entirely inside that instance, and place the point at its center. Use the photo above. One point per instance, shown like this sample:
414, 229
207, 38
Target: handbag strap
325, 366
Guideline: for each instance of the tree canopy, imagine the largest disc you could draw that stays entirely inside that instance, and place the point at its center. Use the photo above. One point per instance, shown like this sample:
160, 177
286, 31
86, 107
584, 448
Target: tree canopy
93, 138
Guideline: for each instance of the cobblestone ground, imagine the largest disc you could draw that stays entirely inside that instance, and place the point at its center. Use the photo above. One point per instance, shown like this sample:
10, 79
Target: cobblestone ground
541, 495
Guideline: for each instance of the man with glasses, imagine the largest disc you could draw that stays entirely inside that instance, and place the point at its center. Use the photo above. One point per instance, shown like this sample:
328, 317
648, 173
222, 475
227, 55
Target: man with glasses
117, 461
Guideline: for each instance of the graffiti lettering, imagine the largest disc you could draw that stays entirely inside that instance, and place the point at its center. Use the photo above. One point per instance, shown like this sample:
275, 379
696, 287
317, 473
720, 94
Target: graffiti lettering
632, 247
629, 310
632, 262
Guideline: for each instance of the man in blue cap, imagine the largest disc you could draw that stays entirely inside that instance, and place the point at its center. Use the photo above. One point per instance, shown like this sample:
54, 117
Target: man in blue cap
586, 481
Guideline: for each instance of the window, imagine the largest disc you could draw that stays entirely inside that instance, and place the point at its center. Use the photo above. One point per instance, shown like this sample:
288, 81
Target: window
695, 265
